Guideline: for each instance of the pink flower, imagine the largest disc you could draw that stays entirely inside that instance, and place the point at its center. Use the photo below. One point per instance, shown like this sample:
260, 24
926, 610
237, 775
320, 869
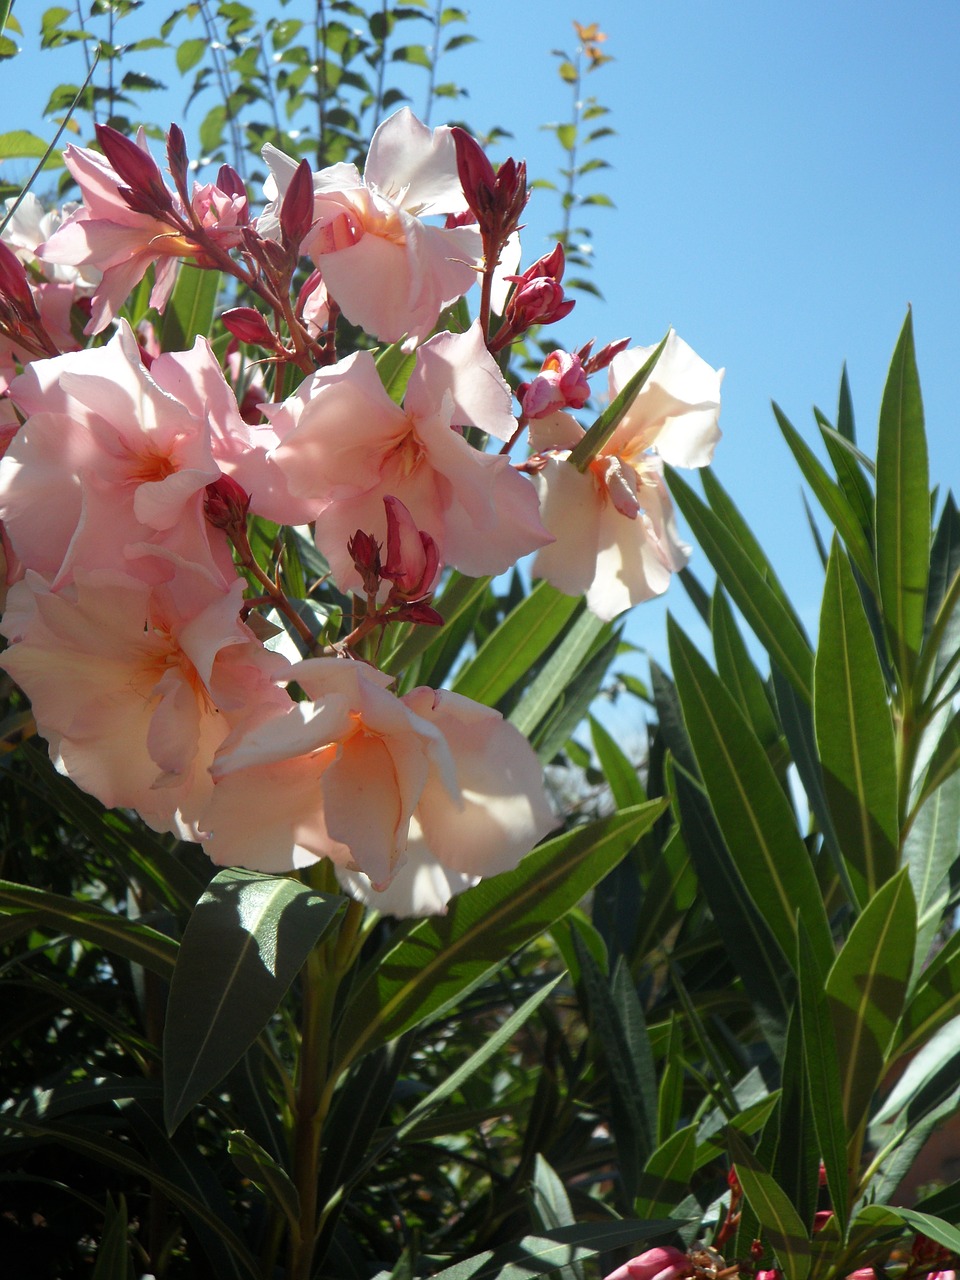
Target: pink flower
346, 447
616, 537
664, 1263
338, 776
496, 814
389, 271
135, 686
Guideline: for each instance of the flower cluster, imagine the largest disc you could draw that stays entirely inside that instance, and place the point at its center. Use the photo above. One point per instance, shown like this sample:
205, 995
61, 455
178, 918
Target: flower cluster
136, 608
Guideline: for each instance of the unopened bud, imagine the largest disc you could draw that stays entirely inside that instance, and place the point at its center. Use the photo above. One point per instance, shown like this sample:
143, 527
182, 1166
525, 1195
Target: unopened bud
15, 288
177, 160
413, 557
225, 503
296, 211
364, 551
147, 192
475, 172
247, 324
419, 612
230, 182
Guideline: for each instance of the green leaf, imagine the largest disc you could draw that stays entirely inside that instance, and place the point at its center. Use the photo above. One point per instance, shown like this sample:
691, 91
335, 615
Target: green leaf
831, 497
620, 772
823, 1071
189, 54
903, 507
264, 1172
190, 311
746, 934
751, 808
935, 1000
852, 480
437, 958
779, 1218
929, 851
19, 144
541, 1254
866, 987
944, 1233
604, 427
248, 937
551, 1208
617, 1022
855, 734
796, 1161
394, 365
740, 675
554, 679
666, 1176
509, 652
753, 589
90, 923
114, 1260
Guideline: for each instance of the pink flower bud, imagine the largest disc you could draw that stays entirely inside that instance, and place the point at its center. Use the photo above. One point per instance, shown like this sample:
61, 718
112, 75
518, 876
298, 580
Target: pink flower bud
665, 1263
560, 384
538, 302
593, 364
773, 1273
423, 614
225, 504
247, 324
364, 551
413, 559
230, 182
862, 1273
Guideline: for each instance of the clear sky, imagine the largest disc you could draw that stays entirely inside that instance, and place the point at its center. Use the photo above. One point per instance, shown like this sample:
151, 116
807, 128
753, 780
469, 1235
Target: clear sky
786, 181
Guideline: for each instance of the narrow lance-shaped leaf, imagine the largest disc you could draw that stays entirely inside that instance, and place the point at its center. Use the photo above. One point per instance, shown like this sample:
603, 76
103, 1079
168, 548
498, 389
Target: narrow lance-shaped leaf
831, 497
866, 988
778, 1217
823, 1071
738, 673
752, 811
509, 652
750, 587
597, 436
855, 734
189, 313
247, 938
666, 1175
903, 507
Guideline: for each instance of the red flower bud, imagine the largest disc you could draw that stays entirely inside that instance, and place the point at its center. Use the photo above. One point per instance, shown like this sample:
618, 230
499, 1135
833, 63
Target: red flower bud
296, 211
418, 612
364, 551
413, 558
146, 191
247, 324
177, 161
230, 182
15, 289
225, 503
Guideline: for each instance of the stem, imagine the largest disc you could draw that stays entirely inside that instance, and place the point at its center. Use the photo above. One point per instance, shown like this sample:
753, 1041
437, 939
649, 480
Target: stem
381, 69
569, 195
320, 62
434, 56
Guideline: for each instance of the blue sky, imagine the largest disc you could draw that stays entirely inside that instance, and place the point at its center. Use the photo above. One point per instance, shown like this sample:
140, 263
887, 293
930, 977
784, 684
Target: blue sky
786, 181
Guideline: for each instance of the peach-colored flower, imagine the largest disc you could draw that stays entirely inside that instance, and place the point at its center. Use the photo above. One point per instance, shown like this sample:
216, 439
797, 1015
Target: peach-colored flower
497, 814
616, 536
347, 446
390, 272
337, 776
136, 684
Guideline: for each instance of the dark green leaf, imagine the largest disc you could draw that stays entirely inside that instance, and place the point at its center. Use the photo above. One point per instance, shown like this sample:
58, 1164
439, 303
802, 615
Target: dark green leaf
752, 811
620, 772
831, 497
855, 733
753, 589
823, 1071
738, 673
945, 1233
935, 1000
666, 1175
903, 507
866, 988
779, 1218
247, 938
114, 1260
265, 1174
